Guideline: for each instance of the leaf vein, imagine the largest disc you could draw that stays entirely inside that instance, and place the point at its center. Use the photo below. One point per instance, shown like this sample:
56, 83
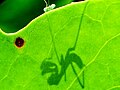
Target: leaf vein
94, 57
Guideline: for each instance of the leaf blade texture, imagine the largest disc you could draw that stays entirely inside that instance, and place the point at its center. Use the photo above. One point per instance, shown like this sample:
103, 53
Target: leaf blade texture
72, 47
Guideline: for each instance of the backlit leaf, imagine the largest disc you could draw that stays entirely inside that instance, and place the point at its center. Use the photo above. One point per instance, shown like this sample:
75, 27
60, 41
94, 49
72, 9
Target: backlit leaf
74, 47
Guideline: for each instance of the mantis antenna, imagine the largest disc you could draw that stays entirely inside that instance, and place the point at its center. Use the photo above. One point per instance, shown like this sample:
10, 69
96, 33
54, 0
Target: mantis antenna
48, 7
46, 3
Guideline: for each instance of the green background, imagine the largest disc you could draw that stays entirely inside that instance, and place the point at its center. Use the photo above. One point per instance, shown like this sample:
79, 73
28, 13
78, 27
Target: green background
15, 14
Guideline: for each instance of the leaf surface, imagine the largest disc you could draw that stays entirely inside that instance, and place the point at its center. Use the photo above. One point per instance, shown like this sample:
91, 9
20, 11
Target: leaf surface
74, 47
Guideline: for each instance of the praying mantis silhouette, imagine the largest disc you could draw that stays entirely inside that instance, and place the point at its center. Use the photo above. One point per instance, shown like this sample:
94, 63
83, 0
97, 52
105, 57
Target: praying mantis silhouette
49, 67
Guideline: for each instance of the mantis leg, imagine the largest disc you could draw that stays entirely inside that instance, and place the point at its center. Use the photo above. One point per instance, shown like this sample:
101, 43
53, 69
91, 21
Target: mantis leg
82, 85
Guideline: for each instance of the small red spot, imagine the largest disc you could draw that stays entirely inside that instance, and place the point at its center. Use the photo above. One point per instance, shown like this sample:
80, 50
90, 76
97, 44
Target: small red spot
19, 42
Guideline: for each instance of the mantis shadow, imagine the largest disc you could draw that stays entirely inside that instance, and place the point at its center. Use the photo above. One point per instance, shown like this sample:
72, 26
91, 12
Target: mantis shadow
49, 67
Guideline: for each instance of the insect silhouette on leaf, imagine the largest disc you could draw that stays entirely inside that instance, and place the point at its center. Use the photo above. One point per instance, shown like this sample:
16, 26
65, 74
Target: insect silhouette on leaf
70, 57
55, 77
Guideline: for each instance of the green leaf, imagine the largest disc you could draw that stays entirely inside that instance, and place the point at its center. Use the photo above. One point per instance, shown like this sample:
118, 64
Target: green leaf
79, 39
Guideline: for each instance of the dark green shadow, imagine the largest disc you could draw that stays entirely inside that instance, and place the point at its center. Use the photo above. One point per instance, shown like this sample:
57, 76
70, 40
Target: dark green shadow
49, 67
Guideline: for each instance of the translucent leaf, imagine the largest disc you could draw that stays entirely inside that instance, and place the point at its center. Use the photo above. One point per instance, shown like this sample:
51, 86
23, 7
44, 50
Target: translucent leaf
74, 47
